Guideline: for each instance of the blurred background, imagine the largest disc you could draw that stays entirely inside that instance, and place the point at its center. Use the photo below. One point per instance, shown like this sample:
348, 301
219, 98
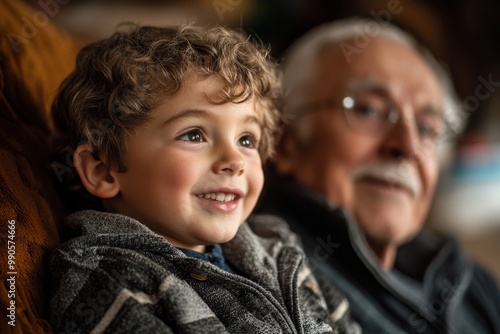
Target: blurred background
464, 35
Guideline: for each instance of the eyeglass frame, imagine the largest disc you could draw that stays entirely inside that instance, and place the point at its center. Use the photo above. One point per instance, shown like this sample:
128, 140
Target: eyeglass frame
394, 115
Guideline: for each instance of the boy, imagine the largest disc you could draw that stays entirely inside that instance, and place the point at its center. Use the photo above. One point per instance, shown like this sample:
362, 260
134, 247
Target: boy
171, 126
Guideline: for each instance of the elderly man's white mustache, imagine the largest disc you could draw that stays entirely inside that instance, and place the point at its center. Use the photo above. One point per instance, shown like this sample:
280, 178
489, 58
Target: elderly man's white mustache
399, 174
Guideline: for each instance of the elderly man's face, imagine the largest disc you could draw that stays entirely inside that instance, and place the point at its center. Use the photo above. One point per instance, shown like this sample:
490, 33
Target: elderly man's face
384, 172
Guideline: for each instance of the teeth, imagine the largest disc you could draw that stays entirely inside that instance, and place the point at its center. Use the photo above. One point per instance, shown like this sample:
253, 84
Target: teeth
219, 197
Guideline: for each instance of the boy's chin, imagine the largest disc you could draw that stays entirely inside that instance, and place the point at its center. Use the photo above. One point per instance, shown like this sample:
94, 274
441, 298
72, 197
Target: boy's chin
222, 238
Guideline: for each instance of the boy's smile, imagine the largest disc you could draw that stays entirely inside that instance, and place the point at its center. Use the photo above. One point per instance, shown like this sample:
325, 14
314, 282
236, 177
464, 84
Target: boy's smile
194, 171
221, 199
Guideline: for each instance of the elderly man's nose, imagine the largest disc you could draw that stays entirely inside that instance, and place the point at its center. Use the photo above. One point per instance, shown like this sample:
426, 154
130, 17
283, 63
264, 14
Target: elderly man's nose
402, 140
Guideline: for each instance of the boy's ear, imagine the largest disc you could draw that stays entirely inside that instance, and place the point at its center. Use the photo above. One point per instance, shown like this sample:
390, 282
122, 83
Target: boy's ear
96, 177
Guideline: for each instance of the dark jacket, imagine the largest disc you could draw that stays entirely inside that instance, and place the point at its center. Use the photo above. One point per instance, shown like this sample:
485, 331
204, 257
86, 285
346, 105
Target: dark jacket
117, 276
433, 288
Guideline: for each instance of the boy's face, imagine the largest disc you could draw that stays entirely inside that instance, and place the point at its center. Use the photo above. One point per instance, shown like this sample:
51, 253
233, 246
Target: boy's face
194, 170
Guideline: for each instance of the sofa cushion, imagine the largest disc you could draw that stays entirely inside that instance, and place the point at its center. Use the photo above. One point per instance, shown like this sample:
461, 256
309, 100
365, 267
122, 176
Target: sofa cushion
34, 58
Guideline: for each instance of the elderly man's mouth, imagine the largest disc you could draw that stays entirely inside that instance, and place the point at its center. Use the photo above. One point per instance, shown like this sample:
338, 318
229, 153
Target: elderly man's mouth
385, 185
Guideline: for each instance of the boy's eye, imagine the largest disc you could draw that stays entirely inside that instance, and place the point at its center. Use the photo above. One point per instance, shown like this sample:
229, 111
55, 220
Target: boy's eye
248, 141
194, 135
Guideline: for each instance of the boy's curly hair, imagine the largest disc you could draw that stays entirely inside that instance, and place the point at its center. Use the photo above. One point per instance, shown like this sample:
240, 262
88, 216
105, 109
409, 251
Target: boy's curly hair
119, 80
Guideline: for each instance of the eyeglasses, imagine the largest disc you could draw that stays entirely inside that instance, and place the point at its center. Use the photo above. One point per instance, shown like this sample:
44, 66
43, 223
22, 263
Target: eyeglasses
374, 114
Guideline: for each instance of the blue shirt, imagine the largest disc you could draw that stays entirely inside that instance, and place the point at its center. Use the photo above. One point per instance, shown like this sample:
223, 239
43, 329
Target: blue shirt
214, 256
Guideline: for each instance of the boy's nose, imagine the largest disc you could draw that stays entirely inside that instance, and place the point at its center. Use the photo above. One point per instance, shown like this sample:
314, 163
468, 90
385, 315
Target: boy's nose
230, 162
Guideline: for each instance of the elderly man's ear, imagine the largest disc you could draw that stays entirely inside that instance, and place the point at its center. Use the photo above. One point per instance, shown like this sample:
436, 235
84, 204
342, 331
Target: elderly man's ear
286, 151
99, 179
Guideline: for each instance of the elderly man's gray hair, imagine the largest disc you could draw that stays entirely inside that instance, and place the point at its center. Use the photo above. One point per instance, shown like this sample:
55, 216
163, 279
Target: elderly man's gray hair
301, 56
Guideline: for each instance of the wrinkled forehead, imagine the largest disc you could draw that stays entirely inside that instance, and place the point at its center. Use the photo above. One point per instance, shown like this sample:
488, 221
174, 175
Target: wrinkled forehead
388, 63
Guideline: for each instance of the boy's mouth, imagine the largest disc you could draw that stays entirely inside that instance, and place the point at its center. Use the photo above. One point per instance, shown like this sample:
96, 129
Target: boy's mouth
219, 196
222, 199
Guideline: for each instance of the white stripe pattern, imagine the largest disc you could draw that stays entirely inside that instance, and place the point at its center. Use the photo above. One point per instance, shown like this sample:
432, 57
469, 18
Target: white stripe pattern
124, 295
340, 310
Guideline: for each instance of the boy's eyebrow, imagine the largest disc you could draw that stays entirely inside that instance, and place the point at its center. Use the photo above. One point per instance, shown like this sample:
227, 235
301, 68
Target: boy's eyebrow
201, 113
253, 119
187, 113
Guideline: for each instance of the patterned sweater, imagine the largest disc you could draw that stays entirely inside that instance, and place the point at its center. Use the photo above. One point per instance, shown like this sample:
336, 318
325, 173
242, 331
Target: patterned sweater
117, 276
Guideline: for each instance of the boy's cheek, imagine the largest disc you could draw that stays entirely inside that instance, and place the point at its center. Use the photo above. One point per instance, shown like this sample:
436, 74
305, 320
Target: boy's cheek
259, 180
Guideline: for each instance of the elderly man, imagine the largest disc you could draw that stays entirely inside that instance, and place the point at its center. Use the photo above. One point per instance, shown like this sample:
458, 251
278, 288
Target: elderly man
355, 173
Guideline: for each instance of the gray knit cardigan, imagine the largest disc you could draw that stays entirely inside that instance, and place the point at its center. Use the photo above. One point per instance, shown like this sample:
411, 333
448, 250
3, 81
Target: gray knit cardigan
117, 276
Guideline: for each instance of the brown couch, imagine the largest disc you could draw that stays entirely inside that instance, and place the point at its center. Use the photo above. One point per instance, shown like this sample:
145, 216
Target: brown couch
34, 58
